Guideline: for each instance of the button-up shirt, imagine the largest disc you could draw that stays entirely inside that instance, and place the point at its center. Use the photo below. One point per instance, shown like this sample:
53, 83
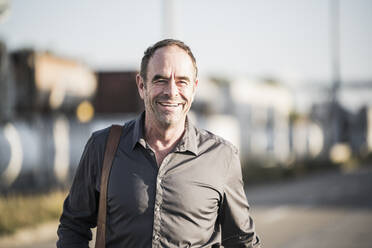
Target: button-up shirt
195, 198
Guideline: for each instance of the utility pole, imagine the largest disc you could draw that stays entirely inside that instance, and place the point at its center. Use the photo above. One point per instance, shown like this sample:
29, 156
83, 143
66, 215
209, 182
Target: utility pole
335, 65
169, 19
335, 46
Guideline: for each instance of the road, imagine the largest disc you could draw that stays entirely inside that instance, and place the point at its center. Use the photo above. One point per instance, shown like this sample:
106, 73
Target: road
324, 210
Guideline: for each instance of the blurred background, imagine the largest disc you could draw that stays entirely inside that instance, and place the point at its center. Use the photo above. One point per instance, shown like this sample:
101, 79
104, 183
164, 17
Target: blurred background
288, 82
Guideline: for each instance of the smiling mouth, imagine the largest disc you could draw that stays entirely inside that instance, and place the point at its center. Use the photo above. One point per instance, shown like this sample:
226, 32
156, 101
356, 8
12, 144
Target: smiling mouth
166, 104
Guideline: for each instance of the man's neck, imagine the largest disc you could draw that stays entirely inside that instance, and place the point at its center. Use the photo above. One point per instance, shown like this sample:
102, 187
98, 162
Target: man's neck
162, 139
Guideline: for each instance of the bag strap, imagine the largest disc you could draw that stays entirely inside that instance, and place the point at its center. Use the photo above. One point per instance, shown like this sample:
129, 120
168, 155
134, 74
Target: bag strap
110, 151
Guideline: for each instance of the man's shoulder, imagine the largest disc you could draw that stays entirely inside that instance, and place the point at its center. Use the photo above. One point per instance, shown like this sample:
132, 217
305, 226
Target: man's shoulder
212, 139
100, 136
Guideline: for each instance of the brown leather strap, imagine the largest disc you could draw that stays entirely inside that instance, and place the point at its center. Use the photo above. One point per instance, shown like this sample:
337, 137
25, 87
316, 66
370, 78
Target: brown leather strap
111, 147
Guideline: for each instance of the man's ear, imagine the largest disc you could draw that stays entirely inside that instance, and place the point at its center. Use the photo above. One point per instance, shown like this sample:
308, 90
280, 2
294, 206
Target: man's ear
194, 89
196, 82
195, 85
140, 85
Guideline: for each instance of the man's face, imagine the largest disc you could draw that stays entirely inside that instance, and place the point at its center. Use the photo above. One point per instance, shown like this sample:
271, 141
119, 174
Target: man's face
170, 86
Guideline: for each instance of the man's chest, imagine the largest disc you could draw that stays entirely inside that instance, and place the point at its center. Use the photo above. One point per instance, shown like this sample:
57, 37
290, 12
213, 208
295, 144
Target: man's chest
184, 183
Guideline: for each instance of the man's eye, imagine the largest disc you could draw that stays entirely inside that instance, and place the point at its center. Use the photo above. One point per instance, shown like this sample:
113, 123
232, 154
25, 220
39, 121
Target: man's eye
183, 82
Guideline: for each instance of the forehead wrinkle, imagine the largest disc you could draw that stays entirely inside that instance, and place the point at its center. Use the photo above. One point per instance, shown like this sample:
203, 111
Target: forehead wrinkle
167, 63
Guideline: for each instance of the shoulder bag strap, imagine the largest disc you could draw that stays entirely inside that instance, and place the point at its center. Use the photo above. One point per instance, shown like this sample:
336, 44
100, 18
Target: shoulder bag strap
111, 147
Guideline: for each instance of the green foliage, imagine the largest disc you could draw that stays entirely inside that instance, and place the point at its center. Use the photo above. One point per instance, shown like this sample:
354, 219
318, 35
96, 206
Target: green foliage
19, 211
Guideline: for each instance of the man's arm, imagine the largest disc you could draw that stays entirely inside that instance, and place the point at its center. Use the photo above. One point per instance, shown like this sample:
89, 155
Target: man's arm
80, 207
236, 222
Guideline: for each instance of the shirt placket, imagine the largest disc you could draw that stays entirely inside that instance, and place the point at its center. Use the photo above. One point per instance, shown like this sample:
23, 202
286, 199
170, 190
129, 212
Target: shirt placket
156, 234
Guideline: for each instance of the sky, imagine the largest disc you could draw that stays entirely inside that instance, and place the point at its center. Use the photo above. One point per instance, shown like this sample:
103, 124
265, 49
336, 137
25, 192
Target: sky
286, 39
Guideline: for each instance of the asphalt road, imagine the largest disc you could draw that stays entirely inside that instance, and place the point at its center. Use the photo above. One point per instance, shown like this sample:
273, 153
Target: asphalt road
323, 210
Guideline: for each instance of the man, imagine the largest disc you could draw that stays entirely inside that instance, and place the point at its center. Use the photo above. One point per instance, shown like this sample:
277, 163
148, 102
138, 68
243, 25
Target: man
171, 184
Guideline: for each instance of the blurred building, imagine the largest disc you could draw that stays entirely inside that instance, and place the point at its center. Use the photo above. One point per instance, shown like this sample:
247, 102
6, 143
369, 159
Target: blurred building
37, 82
264, 119
257, 115
7, 93
117, 93
347, 123
263, 109
49, 105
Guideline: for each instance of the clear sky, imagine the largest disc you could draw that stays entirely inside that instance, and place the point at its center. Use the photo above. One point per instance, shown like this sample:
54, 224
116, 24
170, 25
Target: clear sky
288, 39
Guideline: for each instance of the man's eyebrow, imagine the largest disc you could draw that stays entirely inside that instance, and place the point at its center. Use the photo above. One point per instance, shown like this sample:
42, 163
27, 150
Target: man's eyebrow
184, 78
159, 77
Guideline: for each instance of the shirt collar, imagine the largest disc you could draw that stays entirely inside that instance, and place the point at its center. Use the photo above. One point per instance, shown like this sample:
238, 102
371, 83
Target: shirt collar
188, 141
138, 134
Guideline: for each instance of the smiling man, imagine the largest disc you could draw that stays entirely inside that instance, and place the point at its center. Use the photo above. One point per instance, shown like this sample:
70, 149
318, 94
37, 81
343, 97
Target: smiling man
167, 84
171, 184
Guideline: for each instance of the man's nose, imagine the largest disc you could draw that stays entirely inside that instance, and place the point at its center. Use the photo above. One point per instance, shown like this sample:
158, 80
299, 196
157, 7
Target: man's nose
171, 89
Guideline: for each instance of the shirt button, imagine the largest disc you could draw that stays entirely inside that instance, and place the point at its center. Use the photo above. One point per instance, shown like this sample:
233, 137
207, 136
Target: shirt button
159, 180
157, 209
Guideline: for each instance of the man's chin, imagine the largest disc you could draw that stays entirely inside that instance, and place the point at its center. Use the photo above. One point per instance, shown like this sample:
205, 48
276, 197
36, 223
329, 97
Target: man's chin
170, 120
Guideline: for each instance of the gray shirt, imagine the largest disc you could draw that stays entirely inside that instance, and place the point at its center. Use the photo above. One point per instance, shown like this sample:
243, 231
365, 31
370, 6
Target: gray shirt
195, 198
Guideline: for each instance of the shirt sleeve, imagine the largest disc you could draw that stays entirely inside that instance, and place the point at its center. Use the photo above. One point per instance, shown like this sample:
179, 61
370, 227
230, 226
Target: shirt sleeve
237, 226
80, 207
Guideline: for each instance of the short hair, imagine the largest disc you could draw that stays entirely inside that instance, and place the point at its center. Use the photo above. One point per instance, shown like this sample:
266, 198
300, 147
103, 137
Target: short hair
163, 43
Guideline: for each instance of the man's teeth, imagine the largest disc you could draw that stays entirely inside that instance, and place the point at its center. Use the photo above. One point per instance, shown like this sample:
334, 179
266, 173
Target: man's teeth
169, 104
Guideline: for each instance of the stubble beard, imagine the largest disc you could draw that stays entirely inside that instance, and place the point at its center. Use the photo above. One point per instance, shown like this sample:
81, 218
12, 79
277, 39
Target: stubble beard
164, 118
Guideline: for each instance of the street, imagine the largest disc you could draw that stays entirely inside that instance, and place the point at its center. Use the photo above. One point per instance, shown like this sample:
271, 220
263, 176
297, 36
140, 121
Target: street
323, 210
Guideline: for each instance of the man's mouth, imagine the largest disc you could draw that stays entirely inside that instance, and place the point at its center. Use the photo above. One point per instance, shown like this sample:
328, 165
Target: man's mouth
168, 104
